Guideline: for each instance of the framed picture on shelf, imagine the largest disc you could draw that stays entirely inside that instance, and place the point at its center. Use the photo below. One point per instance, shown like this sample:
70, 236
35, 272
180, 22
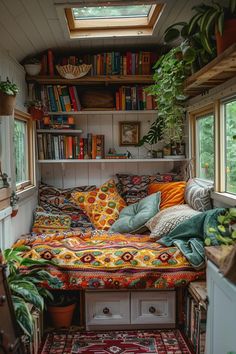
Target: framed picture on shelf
129, 133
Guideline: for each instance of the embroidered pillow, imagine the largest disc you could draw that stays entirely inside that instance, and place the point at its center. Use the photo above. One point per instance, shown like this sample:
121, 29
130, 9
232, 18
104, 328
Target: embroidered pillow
103, 206
133, 187
50, 223
132, 218
57, 201
198, 196
166, 220
172, 193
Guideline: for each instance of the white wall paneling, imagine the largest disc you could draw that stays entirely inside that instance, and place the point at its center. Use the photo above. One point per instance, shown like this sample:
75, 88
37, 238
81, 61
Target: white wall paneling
87, 173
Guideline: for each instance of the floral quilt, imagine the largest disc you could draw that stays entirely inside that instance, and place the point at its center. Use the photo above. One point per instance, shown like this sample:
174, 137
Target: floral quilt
107, 261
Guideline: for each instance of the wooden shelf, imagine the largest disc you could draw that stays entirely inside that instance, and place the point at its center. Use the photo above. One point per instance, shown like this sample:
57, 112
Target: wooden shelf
219, 70
93, 80
60, 131
102, 111
110, 160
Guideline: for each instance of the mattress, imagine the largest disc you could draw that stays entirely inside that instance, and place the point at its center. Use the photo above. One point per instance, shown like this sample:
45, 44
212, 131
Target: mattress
98, 260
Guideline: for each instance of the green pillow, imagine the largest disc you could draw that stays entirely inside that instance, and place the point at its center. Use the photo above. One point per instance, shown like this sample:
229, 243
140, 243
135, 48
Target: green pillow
132, 219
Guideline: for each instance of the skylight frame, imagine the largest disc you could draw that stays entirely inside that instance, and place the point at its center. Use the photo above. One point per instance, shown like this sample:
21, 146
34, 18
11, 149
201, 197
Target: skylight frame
114, 27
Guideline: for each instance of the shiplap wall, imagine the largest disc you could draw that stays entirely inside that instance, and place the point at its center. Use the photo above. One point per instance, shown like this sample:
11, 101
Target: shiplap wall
77, 174
10, 68
28, 27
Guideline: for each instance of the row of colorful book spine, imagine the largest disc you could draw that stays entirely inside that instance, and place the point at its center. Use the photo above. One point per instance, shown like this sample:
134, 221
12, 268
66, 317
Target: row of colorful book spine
60, 98
107, 63
195, 324
59, 147
134, 98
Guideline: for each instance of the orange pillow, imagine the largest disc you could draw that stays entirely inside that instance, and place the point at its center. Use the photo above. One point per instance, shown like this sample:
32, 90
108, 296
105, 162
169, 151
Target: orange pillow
172, 193
103, 205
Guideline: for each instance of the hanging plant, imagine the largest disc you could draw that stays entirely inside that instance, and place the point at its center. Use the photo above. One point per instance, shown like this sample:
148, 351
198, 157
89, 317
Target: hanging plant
171, 71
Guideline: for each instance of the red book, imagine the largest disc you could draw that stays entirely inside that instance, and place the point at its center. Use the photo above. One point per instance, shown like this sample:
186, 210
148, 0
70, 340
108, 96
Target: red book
69, 147
44, 65
94, 146
81, 148
146, 59
117, 100
149, 103
50, 63
129, 63
72, 98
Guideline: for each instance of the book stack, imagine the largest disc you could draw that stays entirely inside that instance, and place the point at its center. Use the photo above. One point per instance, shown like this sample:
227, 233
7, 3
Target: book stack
52, 146
59, 98
56, 122
134, 98
195, 316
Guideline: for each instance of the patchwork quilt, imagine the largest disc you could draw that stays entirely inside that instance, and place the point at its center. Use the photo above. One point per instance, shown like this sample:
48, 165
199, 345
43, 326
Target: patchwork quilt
107, 261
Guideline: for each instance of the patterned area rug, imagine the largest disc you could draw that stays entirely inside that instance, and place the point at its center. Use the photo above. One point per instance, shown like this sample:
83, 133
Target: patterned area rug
115, 342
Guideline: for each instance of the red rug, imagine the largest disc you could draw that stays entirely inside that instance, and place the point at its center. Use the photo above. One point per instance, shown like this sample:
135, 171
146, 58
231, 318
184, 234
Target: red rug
116, 342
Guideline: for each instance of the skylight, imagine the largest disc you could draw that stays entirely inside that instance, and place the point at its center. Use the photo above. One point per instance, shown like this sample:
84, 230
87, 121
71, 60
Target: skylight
113, 21
101, 12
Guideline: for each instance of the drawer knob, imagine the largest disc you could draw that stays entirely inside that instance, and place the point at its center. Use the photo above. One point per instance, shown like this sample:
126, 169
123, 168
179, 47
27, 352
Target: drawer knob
105, 311
152, 309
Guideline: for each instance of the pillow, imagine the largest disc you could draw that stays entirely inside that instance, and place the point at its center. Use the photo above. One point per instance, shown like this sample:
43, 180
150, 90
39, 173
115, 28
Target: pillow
102, 206
198, 196
132, 218
172, 193
50, 223
166, 220
57, 201
133, 187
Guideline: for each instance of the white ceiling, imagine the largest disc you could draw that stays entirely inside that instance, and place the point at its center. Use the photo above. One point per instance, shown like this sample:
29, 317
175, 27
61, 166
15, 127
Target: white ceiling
28, 27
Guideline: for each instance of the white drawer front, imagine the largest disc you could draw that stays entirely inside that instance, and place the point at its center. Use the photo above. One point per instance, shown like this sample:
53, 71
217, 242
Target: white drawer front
107, 308
153, 307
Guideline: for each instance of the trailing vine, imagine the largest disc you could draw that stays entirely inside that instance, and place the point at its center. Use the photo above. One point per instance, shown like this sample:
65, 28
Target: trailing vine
171, 71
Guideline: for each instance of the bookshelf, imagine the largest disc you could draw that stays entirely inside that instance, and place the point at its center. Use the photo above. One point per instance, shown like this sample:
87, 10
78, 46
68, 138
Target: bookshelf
68, 161
102, 111
195, 315
60, 131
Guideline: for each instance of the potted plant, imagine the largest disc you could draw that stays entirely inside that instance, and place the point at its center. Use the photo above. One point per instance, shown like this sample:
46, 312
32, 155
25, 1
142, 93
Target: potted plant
14, 203
25, 287
62, 308
8, 91
32, 66
36, 109
171, 71
215, 21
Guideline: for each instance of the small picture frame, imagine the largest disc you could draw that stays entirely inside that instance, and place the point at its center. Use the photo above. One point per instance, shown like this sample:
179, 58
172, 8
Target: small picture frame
129, 133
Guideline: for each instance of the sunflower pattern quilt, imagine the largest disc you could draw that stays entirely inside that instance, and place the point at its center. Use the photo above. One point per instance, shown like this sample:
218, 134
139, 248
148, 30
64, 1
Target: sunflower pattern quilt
97, 260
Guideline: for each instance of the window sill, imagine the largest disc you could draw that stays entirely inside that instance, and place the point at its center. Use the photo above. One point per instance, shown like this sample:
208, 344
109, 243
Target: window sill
225, 198
26, 193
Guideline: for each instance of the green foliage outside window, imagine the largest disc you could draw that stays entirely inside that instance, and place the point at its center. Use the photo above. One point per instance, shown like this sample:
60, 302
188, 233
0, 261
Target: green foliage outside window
230, 128
205, 151
20, 140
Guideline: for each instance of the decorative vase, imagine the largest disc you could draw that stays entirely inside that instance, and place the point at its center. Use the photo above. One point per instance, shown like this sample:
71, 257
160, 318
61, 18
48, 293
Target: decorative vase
61, 316
33, 69
7, 104
228, 36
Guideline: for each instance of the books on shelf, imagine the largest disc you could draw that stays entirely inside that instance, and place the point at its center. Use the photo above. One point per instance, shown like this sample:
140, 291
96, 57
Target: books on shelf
195, 316
107, 63
134, 98
55, 146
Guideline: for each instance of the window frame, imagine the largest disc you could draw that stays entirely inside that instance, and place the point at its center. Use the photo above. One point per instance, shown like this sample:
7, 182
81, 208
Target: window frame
30, 181
193, 117
117, 27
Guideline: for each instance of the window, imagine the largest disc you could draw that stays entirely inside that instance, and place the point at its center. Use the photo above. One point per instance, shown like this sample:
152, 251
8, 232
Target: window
205, 154
230, 146
113, 21
23, 148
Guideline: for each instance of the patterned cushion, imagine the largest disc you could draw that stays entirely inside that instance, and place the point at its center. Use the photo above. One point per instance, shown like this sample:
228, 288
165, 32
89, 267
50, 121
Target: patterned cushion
49, 223
57, 201
198, 196
102, 206
132, 218
166, 220
172, 193
133, 187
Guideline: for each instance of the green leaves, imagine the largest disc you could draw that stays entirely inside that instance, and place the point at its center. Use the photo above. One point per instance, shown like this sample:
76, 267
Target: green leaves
23, 315
8, 88
28, 292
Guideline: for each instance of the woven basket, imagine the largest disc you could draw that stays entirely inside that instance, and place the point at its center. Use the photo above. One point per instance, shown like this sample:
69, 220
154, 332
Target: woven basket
72, 71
